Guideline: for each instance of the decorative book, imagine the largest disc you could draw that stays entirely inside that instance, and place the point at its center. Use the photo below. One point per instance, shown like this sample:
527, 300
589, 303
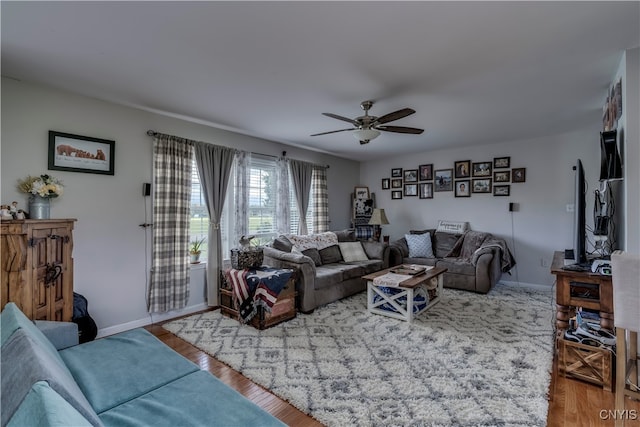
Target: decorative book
410, 269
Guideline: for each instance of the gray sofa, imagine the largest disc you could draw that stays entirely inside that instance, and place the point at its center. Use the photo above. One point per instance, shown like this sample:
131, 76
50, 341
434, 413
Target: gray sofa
474, 260
324, 275
128, 379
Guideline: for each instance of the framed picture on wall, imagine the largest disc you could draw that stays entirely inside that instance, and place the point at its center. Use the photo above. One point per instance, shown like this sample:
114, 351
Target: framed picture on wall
425, 190
518, 174
444, 180
425, 172
77, 153
481, 185
501, 176
396, 183
501, 162
361, 193
396, 173
463, 169
410, 190
386, 183
396, 194
411, 175
480, 169
501, 190
463, 188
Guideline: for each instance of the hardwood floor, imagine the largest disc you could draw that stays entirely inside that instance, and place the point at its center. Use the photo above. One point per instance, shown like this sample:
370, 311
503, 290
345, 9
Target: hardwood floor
572, 402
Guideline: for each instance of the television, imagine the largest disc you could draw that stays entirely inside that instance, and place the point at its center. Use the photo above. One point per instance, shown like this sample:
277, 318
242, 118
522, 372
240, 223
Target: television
579, 223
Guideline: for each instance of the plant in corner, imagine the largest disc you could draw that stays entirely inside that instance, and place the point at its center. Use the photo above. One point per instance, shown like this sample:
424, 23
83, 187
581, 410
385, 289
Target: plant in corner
194, 250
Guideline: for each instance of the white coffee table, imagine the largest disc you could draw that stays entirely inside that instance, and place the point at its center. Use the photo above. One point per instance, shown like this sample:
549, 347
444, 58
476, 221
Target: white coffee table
403, 300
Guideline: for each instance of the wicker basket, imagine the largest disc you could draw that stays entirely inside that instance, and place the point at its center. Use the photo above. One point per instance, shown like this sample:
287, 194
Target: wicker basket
246, 258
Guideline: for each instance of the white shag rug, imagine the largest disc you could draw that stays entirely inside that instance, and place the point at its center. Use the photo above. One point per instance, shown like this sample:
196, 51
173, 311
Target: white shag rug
471, 360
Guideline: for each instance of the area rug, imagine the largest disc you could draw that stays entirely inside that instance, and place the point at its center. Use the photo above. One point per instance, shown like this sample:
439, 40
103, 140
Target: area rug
471, 360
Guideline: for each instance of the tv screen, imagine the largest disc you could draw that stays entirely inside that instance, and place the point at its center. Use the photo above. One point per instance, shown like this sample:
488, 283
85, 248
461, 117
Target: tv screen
580, 226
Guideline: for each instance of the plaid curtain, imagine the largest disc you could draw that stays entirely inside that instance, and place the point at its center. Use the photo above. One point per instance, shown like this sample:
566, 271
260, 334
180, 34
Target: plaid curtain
320, 199
169, 287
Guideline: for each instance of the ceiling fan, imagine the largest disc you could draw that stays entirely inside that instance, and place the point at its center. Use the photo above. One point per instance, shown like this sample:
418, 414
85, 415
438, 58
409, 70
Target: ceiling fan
366, 128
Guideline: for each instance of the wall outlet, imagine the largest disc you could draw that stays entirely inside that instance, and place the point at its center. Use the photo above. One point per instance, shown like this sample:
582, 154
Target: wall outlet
571, 207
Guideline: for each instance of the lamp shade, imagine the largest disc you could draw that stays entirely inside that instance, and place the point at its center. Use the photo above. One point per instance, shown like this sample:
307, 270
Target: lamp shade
365, 134
378, 217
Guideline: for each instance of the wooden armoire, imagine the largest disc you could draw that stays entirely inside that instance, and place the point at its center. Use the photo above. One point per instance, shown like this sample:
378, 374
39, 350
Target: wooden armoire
37, 267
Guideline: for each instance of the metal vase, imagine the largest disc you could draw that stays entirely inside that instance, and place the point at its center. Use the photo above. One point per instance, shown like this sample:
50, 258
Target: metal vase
39, 207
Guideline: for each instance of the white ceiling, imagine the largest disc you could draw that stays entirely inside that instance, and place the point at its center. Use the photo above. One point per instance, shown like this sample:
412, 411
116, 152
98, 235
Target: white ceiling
475, 72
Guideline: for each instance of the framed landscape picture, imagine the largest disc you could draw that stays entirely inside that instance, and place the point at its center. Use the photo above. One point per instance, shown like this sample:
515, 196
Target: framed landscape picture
411, 175
410, 190
443, 180
501, 162
501, 190
481, 169
501, 176
481, 185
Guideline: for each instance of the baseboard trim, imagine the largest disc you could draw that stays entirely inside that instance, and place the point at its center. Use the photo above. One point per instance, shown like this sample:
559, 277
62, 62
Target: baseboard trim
111, 330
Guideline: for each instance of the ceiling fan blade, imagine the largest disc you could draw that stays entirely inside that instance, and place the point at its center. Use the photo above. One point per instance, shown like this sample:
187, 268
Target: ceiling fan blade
332, 131
400, 129
395, 115
344, 119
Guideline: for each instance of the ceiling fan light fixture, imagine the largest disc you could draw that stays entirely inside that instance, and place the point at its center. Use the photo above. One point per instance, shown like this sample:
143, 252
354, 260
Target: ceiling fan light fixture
365, 134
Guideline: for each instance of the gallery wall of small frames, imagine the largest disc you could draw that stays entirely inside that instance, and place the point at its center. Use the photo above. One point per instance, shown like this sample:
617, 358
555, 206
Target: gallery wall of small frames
464, 179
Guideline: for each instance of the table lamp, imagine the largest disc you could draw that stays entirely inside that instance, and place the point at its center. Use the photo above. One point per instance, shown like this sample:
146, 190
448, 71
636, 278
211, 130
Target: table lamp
378, 218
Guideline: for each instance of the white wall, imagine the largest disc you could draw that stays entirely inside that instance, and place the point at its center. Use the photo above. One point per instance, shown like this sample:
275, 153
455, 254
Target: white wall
629, 127
539, 227
109, 246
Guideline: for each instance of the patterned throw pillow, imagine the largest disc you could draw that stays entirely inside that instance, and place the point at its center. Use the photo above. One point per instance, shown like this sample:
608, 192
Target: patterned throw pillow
352, 251
419, 245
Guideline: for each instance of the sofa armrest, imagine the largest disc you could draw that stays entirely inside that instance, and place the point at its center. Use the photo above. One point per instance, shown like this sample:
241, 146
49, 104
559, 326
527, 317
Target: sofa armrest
305, 284
61, 334
377, 250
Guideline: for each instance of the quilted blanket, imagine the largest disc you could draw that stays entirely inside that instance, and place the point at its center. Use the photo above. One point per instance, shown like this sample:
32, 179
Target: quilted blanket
257, 287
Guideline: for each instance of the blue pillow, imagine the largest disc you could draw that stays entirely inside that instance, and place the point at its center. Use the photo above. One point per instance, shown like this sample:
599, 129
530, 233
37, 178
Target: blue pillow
419, 245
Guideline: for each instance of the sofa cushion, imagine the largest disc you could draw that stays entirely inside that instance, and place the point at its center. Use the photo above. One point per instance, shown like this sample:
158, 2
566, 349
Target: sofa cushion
198, 399
419, 245
283, 244
330, 254
368, 266
420, 261
347, 271
13, 319
314, 254
374, 250
25, 361
327, 276
44, 407
457, 266
444, 244
348, 235
137, 363
352, 251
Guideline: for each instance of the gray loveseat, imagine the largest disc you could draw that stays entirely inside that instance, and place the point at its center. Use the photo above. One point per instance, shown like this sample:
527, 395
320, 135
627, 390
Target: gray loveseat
128, 379
474, 260
329, 273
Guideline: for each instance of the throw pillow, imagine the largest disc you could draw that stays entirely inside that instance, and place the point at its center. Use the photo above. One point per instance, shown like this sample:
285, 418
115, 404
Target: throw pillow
419, 245
446, 244
348, 235
282, 244
314, 255
352, 251
331, 254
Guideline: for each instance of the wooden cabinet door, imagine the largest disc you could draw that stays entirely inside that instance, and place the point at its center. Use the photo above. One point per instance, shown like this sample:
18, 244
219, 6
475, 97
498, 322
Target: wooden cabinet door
53, 296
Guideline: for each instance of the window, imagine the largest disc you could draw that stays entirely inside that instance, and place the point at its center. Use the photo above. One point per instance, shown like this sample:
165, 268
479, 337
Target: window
262, 199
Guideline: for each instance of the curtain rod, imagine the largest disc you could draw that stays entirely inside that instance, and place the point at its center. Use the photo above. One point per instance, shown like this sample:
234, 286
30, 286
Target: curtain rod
284, 153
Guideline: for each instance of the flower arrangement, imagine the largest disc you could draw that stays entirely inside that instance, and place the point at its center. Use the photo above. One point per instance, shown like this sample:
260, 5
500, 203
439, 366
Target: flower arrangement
44, 186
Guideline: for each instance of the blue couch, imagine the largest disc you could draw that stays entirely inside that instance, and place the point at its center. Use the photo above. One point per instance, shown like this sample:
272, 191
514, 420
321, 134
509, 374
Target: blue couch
128, 379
